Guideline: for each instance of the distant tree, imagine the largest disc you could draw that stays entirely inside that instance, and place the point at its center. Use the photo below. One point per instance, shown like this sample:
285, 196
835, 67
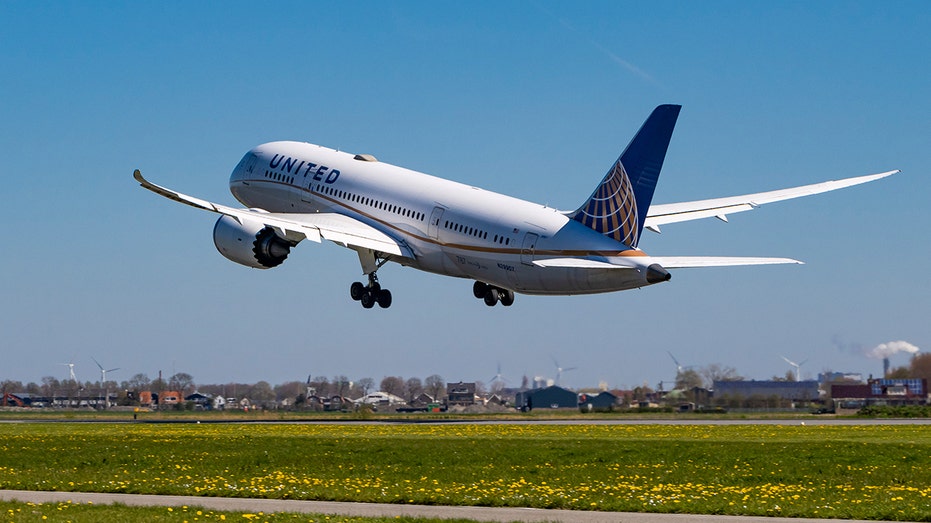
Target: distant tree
920, 366
50, 386
435, 386
33, 388
158, 385
393, 385
688, 379
289, 390
182, 382
365, 385
138, 382
524, 382
480, 389
341, 386
11, 386
321, 385
414, 388
261, 393
900, 373
716, 372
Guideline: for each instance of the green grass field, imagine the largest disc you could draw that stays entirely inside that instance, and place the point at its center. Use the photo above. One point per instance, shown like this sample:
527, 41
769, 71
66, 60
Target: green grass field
858, 472
89, 513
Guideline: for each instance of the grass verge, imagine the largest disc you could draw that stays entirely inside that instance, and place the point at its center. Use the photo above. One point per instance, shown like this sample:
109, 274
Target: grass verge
855, 472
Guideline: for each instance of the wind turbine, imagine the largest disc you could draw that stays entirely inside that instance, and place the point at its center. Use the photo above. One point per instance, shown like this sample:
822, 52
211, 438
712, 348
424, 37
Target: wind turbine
674, 360
498, 378
798, 367
70, 369
103, 372
560, 370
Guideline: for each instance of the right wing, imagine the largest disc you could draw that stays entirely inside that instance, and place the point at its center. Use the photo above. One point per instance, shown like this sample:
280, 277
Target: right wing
720, 207
337, 228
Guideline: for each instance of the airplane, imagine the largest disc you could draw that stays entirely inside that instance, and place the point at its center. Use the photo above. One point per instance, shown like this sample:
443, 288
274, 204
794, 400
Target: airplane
295, 191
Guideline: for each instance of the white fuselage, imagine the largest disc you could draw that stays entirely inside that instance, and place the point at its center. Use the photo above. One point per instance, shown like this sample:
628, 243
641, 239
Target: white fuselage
451, 228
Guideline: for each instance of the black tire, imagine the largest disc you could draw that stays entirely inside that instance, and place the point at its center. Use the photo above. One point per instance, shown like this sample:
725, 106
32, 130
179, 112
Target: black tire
491, 297
384, 298
479, 289
356, 290
507, 298
368, 300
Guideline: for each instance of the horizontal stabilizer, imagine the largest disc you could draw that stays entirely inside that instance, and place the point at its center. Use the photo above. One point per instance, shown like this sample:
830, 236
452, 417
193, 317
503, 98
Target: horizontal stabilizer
687, 262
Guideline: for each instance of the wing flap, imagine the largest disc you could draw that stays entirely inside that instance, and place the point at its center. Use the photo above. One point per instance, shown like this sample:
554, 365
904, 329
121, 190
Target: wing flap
720, 207
339, 229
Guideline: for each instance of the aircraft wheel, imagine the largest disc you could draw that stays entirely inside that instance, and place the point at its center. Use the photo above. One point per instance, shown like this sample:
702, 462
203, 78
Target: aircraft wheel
356, 290
507, 298
384, 298
479, 289
491, 297
368, 300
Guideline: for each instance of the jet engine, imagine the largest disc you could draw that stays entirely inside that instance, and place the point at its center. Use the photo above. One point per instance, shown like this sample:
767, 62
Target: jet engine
250, 243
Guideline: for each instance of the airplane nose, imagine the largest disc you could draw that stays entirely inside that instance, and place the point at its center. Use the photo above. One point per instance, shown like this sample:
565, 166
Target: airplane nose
657, 274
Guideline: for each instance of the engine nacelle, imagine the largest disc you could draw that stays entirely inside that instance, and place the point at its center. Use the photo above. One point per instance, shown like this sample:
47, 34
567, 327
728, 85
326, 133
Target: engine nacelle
251, 243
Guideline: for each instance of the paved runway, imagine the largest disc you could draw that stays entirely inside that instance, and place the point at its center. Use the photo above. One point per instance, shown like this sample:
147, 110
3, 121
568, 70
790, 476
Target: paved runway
384, 510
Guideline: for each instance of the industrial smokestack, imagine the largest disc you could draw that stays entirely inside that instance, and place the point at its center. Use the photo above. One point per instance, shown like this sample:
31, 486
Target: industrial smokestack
885, 367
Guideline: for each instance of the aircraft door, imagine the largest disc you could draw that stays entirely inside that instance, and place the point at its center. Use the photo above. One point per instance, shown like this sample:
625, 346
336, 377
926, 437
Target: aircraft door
433, 228
528, 248
306, 190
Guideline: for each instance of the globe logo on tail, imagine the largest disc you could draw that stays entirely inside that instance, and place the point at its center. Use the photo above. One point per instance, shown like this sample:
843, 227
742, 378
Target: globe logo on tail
612, 208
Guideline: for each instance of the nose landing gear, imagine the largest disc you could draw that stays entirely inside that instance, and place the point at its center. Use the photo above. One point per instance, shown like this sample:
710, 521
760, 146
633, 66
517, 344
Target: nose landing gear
491, 295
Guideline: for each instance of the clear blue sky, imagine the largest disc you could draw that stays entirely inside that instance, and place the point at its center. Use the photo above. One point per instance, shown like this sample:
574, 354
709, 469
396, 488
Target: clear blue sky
532, 99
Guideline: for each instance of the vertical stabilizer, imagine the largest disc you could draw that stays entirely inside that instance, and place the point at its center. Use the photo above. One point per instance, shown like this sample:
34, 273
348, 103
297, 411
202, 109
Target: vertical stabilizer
619, 205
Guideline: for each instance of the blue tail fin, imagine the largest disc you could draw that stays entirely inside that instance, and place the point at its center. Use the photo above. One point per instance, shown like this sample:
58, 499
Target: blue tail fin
619, 205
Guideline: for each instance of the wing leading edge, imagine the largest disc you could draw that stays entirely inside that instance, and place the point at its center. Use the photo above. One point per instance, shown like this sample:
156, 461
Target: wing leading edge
720, 207
337, 228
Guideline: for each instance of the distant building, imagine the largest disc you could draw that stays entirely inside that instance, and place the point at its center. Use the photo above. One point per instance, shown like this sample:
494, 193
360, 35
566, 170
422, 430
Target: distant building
601, 402
552, 397
796, 391
379, 398
881, 392
169, 397
200, 400
462, 394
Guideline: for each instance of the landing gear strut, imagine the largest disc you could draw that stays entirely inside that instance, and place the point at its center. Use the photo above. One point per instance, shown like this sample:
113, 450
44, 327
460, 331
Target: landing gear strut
492, 295
370, 294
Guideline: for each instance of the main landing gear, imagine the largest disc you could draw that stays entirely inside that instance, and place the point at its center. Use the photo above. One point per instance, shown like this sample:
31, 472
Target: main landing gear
492, 295
370, 294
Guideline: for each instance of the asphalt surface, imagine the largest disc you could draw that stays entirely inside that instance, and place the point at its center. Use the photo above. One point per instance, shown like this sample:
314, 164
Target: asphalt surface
383, 510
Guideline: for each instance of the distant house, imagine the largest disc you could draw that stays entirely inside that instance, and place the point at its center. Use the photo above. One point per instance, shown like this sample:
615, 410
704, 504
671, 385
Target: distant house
422, 400
200, 400
462, 394
552, 397
169, 397
601, 402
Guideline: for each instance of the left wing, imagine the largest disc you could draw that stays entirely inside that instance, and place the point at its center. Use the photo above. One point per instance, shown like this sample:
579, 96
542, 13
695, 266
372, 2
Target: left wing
337, 228
721, 207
